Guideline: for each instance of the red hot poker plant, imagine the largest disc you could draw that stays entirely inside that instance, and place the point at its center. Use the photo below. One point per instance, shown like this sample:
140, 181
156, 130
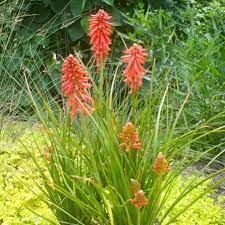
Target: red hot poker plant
74, 85
135, 56
99, 33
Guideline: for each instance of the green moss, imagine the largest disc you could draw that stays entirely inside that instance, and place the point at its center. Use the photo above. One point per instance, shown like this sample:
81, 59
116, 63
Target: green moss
17, 173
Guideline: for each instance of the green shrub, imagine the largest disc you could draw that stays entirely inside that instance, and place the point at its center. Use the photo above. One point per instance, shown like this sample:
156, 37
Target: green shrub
205, 211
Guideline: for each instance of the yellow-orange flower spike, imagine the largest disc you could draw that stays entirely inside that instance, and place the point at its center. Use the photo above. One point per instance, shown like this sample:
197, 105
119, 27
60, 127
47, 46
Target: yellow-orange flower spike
130, 137
48, 150
161, 165
134, 186
139, 199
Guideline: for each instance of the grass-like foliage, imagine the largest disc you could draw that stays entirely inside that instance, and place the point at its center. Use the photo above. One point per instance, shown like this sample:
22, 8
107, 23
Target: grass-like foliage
115, 158
89, 172
17, 185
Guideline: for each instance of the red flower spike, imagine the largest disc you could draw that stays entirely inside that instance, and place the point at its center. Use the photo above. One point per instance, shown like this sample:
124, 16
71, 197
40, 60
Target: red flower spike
74, 85
135, 56
139, 199
130, 137
161, 165
99, 33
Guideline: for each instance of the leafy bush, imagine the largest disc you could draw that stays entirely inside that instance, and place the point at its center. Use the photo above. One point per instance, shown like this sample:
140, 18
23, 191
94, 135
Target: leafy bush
203, 212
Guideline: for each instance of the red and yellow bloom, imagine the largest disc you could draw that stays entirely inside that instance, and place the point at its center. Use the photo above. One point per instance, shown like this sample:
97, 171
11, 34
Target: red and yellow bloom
139, 199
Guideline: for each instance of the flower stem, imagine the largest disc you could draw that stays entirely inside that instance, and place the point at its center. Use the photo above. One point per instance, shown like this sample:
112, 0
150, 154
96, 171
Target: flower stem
134, 106
101, 84
138, 216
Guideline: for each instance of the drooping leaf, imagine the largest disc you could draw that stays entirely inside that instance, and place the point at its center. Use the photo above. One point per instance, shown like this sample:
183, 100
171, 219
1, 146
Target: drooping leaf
85, 23
41, 13
116, 17
109, 2
76, 7
75, 31
46, 2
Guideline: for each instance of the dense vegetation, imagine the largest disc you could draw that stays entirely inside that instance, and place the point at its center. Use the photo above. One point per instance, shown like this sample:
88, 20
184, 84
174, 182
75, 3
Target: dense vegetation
19, 194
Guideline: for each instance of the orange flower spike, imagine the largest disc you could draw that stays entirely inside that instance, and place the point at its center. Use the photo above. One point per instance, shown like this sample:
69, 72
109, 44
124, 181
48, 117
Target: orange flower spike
161, 165
139, 199
47, 151
47, 156
135, 56
99, 33
130, 137
74, 85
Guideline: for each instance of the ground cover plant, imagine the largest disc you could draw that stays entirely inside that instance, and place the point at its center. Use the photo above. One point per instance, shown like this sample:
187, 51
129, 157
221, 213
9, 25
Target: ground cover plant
18, 203
113, 150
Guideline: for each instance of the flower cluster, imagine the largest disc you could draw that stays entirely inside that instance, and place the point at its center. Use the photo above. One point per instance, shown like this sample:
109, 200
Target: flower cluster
139, 199
99, 33
74, 85
161, 165
48, 152
75, 82
134, 186
135, 56
130, 139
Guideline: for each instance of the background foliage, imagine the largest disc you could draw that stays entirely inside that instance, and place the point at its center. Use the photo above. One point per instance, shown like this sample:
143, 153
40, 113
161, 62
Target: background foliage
188, 40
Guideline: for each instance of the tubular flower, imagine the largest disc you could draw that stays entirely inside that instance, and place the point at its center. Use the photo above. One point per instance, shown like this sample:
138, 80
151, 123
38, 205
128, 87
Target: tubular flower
161, 165
135, 57
130, 137
139, 199
99, 33
74, 85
